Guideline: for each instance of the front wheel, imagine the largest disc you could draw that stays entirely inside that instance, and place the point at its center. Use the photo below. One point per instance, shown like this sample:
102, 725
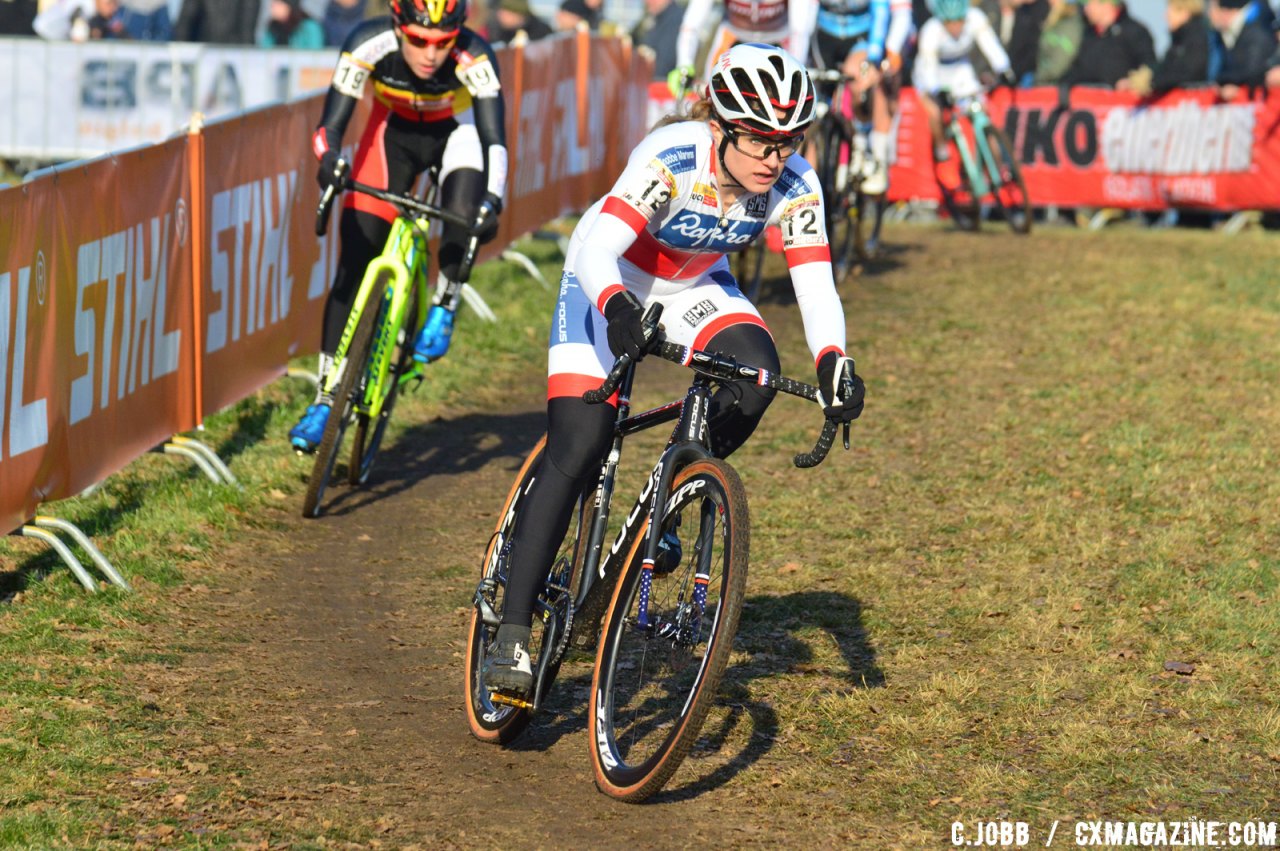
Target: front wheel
370, 430
349, 394
1010, 189
668, 634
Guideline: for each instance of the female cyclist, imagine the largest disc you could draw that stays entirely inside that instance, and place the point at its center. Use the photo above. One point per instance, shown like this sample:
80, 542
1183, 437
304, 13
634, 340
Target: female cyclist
691, 192
437, 101
943, 69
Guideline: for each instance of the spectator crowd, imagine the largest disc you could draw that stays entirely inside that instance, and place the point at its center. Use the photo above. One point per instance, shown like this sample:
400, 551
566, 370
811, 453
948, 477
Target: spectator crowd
1229, 44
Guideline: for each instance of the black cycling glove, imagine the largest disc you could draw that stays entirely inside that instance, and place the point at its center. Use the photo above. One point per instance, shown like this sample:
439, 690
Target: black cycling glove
841, 389
626, 327
328, 174
486, 225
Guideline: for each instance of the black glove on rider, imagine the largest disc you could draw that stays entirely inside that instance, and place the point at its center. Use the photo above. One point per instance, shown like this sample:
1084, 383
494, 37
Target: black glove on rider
327, 175
841, 388
486, 225
1007, 80
626, 329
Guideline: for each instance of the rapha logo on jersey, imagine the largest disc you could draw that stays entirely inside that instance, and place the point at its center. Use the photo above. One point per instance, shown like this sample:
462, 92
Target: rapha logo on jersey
692, 230
679, 159
757, 206
699, 312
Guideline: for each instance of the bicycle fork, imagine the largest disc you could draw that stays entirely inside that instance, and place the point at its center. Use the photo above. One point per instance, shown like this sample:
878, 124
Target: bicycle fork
689, 445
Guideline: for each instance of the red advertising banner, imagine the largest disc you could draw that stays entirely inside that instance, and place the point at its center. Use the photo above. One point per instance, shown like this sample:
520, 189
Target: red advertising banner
265, 272
96, 317
1109, 149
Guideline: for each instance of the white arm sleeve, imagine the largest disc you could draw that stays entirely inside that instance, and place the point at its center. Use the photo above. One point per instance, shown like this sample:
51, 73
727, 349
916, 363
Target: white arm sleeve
988, 41
808, 255
925, 75
899, 26
802, 19
691, 27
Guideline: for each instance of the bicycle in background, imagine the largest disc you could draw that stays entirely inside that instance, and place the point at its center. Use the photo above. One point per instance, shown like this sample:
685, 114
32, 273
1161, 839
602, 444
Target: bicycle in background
374, 362
844, 160
990, 178
669, 589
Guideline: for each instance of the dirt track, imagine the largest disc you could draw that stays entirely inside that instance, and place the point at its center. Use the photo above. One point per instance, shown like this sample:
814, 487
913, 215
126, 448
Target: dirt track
336, 700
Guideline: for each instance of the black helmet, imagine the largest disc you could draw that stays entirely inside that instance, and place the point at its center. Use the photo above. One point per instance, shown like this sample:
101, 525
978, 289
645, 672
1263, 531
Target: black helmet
432, 14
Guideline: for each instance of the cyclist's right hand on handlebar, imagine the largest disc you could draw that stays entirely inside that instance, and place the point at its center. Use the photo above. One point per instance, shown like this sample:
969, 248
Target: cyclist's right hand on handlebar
329, 173
626, 326
679, 80
842, 392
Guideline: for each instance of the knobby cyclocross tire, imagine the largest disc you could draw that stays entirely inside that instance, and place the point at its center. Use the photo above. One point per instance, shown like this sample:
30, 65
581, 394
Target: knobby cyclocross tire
493, 722
838, 203
369, 432
870, 219
655, 683
1010, 189
344, 401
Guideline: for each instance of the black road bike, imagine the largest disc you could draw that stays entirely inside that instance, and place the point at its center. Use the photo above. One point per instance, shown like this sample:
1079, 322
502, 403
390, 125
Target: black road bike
669, 588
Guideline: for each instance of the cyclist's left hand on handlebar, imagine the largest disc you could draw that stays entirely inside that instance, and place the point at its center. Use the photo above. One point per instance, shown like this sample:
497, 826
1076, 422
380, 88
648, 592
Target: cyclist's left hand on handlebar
486, 226
841, 391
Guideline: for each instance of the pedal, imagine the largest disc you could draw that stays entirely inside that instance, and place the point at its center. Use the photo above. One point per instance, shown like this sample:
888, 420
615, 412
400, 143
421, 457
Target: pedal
509, 700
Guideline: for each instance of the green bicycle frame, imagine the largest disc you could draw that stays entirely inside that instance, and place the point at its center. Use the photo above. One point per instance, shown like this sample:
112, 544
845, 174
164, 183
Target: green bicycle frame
404, 257
980, 162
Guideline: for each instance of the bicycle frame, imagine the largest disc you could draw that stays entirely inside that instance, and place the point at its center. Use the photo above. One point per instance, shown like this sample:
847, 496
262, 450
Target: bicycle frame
404, 257
979, 163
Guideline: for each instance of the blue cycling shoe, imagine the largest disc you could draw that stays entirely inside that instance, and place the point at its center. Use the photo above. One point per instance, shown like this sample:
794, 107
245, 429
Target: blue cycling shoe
306, 435
433, 340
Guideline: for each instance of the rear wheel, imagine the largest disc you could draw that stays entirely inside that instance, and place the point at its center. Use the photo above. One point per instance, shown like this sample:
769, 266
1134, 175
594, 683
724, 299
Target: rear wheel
668, 634
834, 137
1010, 189
492, 717
349, 393
870, 218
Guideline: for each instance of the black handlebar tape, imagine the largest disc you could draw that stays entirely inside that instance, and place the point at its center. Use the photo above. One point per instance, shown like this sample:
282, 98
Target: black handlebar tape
820, 449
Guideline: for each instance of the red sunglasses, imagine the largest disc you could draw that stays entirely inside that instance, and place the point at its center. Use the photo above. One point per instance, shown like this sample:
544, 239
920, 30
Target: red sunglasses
420, 41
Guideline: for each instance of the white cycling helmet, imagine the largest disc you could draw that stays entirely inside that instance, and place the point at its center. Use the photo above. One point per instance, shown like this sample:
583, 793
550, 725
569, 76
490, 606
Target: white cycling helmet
760, 88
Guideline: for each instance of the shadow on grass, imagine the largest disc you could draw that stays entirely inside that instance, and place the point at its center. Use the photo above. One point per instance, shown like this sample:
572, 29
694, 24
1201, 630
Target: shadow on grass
778, 624
442, 447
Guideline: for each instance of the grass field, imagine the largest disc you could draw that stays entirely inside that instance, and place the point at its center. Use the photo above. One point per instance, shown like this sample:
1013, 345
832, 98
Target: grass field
1042, 586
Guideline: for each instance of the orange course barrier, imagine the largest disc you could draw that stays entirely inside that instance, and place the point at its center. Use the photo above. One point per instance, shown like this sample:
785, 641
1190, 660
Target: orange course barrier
139, 293
96, 352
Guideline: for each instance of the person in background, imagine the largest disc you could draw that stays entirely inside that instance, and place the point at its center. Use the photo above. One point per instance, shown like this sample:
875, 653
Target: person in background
1114, 44
512, 16
1241, 47
1059, 41
437, 102
573, 11
218, 21
1186, 61
17, 17
107, 20
62, 20
289, 26
1018, 24
340, 18
658, 30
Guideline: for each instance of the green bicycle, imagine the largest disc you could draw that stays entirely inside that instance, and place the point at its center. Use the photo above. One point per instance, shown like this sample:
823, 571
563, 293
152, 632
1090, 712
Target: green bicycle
988, 168
374, 361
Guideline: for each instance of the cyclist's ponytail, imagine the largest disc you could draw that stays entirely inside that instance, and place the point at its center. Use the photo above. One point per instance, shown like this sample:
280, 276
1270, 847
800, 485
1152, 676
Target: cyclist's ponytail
701, 110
